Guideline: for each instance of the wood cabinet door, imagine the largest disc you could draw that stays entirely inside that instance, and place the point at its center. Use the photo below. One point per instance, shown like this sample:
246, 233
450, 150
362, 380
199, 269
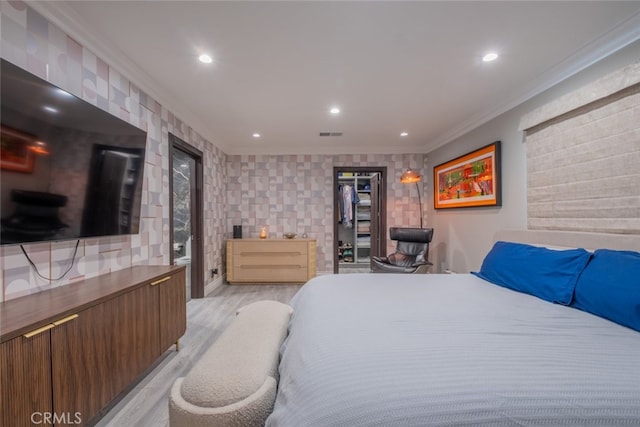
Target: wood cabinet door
25, 380
173, 310
136, 334
98, 354
82, 370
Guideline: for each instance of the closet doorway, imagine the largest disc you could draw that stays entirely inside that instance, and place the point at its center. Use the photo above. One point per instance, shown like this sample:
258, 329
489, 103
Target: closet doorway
360, 220
185, 198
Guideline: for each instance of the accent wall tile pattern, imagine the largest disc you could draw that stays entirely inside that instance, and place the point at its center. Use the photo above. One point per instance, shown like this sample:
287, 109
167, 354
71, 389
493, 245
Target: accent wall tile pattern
33, 43
295, 193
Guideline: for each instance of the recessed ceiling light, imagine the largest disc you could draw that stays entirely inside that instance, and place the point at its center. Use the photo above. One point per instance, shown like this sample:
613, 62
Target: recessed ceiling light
256, 135
404, 134
335, 110
491, 56
205, 59
50, 109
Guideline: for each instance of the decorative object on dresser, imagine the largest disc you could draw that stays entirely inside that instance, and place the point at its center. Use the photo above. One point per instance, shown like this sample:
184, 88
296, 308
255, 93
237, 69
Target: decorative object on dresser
76, 348
270, 261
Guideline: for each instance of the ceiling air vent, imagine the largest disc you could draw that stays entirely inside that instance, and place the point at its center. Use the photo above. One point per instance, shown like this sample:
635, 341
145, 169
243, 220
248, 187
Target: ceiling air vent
330, 134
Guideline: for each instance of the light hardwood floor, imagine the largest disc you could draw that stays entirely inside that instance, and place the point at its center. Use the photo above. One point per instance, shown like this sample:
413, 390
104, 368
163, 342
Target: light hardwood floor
147, 403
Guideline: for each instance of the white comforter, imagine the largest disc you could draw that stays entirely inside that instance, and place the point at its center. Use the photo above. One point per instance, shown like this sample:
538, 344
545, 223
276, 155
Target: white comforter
444, 350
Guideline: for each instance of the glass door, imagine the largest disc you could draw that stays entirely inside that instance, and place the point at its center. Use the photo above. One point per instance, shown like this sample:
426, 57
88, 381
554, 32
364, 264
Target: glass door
186, 213
183, 172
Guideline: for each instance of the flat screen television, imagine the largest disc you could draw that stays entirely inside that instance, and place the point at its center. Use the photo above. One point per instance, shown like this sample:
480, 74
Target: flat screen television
68, 169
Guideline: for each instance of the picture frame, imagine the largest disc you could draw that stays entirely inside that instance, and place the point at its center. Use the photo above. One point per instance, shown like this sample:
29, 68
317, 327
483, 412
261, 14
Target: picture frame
471, 180
15, 150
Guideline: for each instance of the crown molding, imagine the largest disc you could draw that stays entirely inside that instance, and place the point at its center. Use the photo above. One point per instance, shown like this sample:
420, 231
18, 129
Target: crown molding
66, 18
617, 38
70, 22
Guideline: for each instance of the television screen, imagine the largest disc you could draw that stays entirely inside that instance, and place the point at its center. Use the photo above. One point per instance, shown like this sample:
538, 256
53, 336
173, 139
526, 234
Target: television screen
68, 169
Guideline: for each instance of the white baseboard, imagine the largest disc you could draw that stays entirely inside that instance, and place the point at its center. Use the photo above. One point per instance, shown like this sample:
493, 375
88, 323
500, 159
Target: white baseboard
212, 286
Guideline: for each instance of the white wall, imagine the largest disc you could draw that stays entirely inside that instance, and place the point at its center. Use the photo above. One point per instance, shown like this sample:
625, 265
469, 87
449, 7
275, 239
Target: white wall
462, 237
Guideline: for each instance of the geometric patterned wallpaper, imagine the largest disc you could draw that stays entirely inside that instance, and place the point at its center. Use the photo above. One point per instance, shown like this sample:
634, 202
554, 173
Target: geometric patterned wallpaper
295, 193
281, 192
31, 42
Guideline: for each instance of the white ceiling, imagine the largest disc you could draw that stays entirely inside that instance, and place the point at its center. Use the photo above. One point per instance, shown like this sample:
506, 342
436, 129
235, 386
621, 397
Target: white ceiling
391, 66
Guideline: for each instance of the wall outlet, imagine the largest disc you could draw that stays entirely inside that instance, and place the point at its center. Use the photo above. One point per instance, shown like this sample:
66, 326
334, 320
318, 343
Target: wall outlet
214, 271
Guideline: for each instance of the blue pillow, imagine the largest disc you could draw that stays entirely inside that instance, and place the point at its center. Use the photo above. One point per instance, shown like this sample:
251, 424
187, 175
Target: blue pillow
548, 274
610, 287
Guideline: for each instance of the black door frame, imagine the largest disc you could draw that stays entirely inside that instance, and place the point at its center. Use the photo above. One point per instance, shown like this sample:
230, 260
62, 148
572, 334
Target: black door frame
197, 228
382, 170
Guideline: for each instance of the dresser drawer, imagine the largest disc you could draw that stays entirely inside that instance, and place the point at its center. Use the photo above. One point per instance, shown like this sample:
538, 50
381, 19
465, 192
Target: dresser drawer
269, 251
267, 274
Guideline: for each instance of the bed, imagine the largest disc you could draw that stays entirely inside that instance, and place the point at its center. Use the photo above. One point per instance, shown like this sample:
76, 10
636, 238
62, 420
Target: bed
457, 349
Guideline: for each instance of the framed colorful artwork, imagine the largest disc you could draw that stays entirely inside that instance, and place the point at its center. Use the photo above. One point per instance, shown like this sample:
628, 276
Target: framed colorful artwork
469, 180
15, 150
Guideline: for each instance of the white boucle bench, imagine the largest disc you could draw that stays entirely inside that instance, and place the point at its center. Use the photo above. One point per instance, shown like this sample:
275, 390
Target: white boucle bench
235, 381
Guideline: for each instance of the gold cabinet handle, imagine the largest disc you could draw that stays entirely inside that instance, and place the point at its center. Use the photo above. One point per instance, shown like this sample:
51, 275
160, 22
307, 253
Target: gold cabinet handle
65, 320
39, 330
157, 282
50, 326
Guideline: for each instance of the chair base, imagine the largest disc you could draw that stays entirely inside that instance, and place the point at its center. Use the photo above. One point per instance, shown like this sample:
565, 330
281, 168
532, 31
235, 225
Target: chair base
381, 265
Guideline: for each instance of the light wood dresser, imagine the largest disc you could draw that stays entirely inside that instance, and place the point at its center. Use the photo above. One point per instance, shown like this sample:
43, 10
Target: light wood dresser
270, 260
